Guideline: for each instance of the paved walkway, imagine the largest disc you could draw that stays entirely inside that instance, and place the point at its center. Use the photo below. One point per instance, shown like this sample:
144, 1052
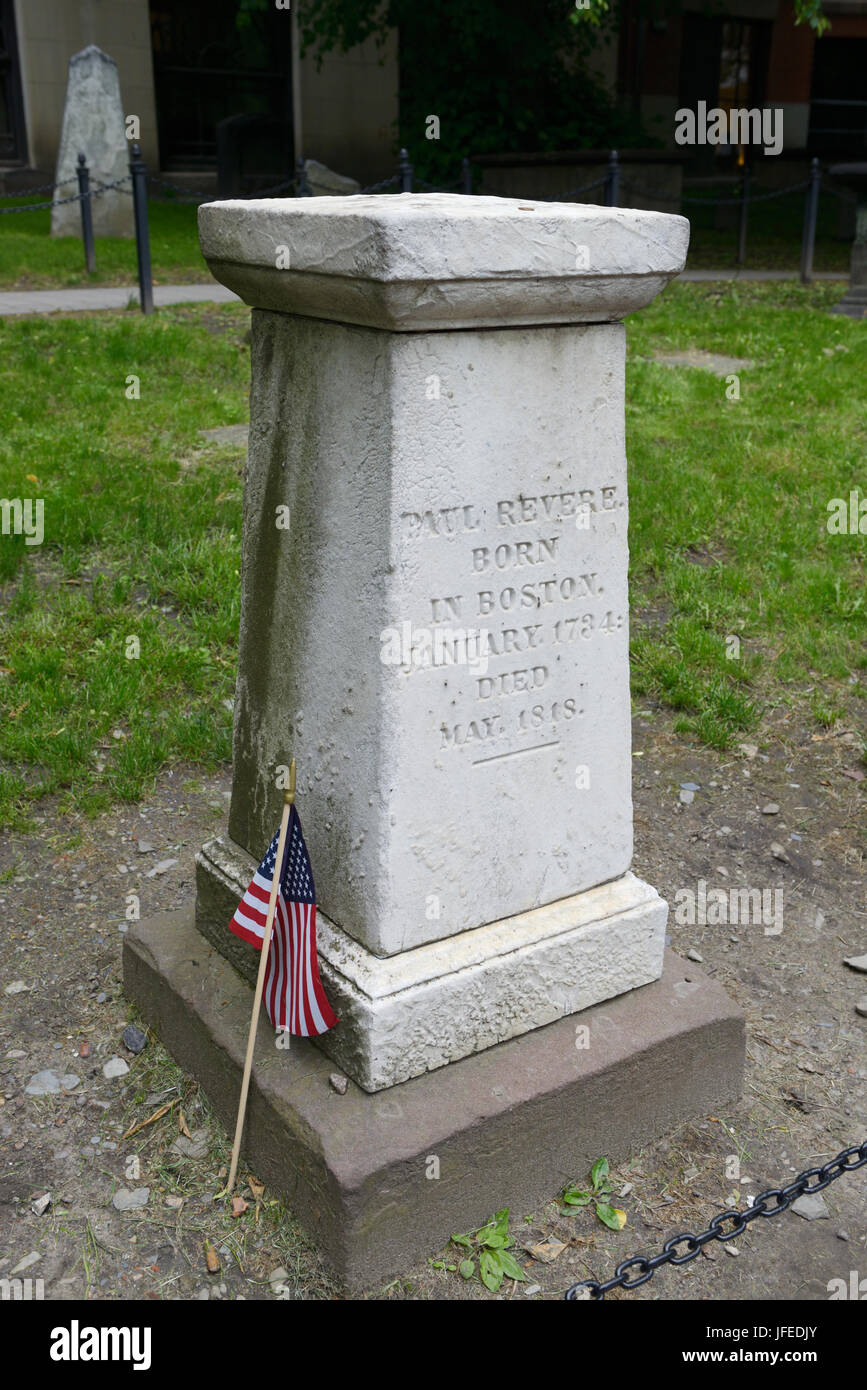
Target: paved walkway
120, 296
112, 297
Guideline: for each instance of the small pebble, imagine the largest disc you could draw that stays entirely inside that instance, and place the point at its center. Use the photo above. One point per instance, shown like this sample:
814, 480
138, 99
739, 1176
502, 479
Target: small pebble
812, 1207
854, 963
161, 868
731, 1249
115, 1066
687, 797
861, 1006
771, 809
694, 955
338, 1083
842, 1235
134, 1038
126, 1200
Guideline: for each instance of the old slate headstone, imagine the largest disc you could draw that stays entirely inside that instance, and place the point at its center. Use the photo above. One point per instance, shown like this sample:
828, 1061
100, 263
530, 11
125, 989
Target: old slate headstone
93, 125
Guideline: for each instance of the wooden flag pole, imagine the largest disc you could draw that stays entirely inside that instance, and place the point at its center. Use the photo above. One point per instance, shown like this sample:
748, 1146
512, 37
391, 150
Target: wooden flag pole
288, 798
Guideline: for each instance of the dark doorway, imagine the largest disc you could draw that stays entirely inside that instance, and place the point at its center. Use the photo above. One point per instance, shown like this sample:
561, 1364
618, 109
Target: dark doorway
724, 63
13, 144
216, 59
838, 103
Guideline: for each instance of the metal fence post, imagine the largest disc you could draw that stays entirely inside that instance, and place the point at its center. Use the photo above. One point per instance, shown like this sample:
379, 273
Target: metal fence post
138, 170
405, 173
811, 212
302, 187
466, 176
742, 222
86, 214
612, 181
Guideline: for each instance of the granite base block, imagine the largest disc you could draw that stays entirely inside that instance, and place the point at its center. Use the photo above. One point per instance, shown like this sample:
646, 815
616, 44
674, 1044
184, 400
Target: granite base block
510, 1126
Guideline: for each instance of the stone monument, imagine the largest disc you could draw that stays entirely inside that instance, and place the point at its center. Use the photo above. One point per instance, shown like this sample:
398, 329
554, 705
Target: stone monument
854, 301
93, 125
435, 625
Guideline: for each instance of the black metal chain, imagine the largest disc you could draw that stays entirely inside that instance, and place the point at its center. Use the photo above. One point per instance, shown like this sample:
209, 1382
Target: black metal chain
95, 191
198, 196
713, 202
782, 1197
585, 188
383, 183
38, 188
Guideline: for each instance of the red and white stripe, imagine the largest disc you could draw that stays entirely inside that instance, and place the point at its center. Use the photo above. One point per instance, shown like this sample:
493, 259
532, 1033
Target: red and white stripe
293, 995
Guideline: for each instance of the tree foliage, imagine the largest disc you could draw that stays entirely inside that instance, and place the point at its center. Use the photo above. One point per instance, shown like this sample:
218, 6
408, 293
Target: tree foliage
499, 74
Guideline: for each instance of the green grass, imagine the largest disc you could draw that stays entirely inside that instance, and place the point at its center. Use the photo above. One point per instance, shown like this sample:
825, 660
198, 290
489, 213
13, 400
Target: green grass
142, 542
31, 259
728, 532
728, 506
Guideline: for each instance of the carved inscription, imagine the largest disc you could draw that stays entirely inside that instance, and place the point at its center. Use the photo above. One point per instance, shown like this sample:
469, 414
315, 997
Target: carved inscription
525, 609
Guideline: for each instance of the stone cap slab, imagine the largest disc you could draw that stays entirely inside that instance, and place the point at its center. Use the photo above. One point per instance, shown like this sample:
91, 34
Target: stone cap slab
413, 262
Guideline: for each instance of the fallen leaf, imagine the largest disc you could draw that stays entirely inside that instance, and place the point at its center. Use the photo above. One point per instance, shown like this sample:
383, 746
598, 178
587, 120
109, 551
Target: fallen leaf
855, 773
546, 1250
212, 1259
157, 1115
239, 1206
256, 1187
612, 1217
183, 1128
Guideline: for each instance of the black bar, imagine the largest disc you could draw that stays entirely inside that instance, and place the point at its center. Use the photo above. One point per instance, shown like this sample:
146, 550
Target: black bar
302, 187
405, 168
742, 222
138, 169
612, 181
86, 215
811, 212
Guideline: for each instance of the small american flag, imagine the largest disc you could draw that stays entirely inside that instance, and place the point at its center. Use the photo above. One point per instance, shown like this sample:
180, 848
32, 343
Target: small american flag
293, 995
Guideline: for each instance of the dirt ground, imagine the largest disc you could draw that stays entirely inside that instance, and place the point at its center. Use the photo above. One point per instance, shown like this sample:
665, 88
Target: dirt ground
64, 894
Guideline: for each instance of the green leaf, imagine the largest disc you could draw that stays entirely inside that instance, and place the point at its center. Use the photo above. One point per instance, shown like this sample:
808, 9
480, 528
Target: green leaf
510, 1266
495, 1241
452, 1269
599, 1172
489, 1269
462, 1240
467, 1269
501, 1221
575, 1197
611, 1216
